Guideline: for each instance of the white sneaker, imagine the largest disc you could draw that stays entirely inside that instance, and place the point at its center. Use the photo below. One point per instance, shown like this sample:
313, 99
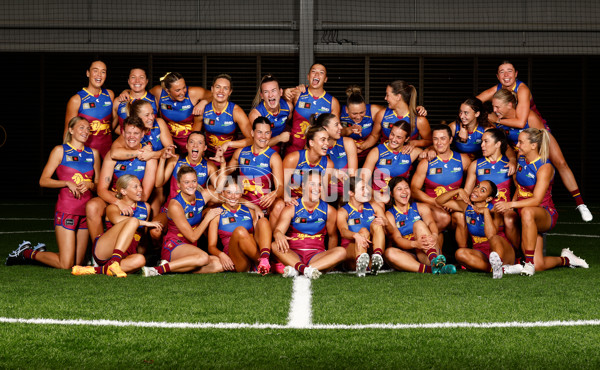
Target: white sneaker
362, 262
163, 262
586, 215
574, 261
149, 271
376, 263
312, 273
512, 269
289, 271
496, 263
528, 269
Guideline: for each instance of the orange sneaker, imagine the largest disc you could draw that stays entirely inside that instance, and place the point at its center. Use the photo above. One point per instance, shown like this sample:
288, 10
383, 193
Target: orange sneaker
115, 270
83, 270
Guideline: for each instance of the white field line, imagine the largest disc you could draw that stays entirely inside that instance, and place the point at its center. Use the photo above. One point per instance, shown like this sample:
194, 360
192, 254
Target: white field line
574, 235
26, 232
24, 219
300, 315
183, 325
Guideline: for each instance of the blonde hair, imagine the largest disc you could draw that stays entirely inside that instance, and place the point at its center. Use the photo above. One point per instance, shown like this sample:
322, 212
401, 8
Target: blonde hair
506, 96
541, 137
123, 183
67, 138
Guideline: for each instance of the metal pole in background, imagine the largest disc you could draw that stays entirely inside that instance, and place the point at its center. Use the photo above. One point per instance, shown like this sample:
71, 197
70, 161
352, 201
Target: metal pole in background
306, 39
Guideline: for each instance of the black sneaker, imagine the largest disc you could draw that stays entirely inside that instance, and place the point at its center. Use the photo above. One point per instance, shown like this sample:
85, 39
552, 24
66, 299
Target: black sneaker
16, 257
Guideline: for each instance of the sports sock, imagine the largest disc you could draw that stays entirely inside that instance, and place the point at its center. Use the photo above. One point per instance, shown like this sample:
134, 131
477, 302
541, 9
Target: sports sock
424, 268
163, 269
577, 197
529, 256
29, 254
300, 267
265, 253
378, 251
117, 256
564, 261
431, 253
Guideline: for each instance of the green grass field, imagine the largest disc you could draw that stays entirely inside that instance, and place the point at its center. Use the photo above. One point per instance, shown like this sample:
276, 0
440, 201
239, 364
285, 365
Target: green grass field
185, 304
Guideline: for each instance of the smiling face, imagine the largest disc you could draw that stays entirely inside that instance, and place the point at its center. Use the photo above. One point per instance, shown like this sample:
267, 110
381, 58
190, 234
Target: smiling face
221, 90
188, 183
524, 145
507, 75
177, 90
137, 80
97, 74
133, 190
334, 128
501, 108
133, 136
312, 187
441, 141
391, 98
319, 143
357, 112
481, 192
397, 138
317, 76
271, 93
467, 115
401, 193
146, 114
196, 145
363, 192
261, 135
231, 195
80, 132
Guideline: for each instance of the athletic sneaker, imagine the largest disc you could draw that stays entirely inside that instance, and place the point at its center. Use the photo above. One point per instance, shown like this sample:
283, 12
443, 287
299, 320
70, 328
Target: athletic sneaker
448, 270
376, 263
574, 261
362, 262
115, 270
149, 271
528, 269
16, 257
40, 247
278, 268
438, 261
586, 215
496, 263
263, 266
163, 262
312, 273
83, 270
512, 269
289, 271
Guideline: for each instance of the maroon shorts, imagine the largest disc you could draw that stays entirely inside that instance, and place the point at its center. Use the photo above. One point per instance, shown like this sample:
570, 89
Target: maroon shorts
69, 221
169, 246
304, 250
131, 250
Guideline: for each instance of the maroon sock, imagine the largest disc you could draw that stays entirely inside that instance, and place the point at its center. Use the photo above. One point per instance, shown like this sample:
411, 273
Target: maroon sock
577, 197
163, 269
300, 267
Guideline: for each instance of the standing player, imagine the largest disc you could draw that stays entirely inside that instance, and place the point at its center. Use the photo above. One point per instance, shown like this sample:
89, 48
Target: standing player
269, 103
176, 103
315, 100
300, 233
414, 234
94, 103
362, 225
533, 200
357, 119
223, 119
77, 168
402, 106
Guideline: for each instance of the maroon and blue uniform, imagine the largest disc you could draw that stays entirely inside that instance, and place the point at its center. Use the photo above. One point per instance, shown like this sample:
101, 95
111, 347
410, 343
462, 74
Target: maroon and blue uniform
307, 231
337, 154
179, 117
366, 124
389, 118
133, 166
358, 219
303, 168
278, 120
201, 169
193, 215
140, 211
76, 166
220, 128
476, 227
496, 172
230, 220
97, 109
406, 221
255, 170
152, 137
515, 88
390, 164
473, 145
122, 112
306, 106
512, 133
443, 176
526, 177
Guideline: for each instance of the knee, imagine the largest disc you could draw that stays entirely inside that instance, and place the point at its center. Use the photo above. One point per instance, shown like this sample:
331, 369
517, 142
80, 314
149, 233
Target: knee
527, 215
263, 223
461, 254
458, 218
137, 261
94, 208
202, 259
241, 232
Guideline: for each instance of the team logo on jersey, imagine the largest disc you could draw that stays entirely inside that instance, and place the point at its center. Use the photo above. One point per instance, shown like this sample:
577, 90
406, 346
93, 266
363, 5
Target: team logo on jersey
355, 221
471, 221
400, 224
246, 161
72, 159
435, 171
190, 215
122, 167
228, 123
166, 106
229, 220
300, 220
89, 105
520, 168
305, 105
486, 171
186, 107
385, 125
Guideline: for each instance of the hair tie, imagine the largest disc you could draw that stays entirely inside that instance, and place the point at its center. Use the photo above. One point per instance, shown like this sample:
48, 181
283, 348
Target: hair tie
165, 76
